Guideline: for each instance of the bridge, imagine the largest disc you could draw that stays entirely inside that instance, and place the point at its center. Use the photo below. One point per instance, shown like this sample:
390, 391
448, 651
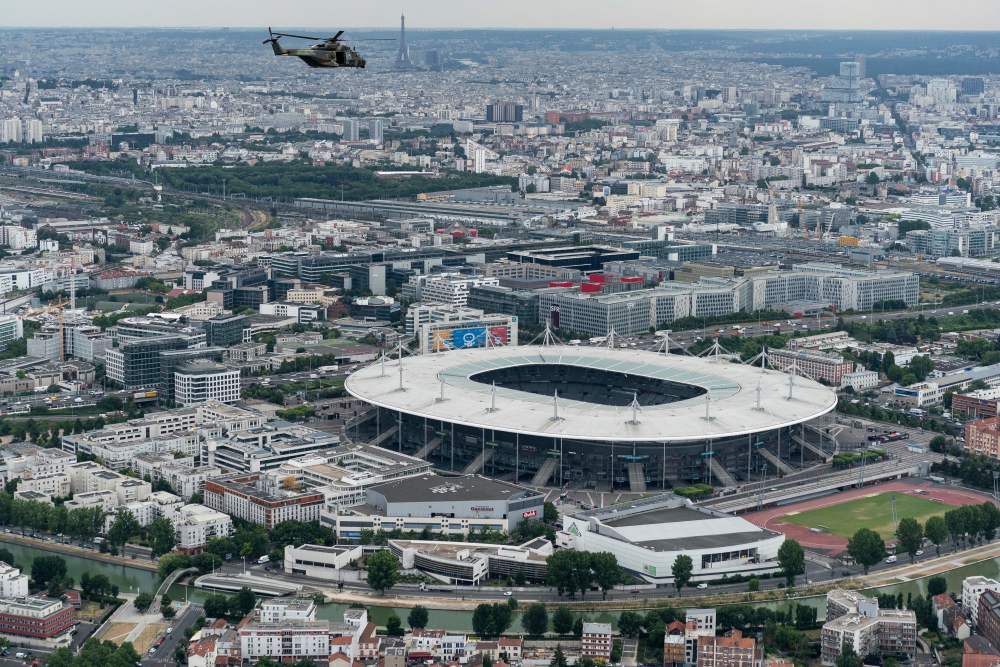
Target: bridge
171, 579
852, 477
234, 582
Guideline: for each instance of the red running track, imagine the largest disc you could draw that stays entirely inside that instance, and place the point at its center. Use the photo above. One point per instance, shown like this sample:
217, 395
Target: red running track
834, 544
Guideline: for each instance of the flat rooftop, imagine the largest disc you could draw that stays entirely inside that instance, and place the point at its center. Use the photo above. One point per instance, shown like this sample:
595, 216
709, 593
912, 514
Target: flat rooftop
432, 487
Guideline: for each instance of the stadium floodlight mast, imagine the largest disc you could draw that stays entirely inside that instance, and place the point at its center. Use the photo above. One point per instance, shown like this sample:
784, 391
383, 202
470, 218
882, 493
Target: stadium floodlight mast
493, 398
636, 408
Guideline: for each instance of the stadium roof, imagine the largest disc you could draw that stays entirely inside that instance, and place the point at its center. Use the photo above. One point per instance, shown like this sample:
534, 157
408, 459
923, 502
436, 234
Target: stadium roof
731, 390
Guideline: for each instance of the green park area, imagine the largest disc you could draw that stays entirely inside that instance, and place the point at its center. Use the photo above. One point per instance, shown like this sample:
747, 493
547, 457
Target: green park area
874, 512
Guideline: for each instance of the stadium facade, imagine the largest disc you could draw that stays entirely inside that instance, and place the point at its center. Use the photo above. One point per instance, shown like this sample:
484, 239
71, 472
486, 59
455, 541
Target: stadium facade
553, 414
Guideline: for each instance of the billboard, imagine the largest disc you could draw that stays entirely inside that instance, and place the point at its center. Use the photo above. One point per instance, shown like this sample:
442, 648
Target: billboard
463, 338
470, 337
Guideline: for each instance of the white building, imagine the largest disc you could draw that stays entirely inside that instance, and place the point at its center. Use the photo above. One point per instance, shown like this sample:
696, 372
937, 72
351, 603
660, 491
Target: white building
277, 610
288, 640
13, 584
972, 588
195, 525
202, 381
860, 380
320, 562
647, 539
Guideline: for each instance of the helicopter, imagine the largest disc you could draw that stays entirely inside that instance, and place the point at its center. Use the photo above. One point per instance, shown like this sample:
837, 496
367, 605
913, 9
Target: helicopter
328, 52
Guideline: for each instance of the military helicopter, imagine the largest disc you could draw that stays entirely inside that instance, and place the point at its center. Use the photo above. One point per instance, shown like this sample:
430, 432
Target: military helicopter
329, 52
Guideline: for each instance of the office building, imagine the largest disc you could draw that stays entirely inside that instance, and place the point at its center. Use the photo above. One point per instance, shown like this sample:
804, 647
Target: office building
226, 330
201, 381
320, 562
469, 563
485, 331
36, 617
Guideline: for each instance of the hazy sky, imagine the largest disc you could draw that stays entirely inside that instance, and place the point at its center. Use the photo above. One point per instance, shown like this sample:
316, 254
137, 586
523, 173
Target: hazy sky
657, 14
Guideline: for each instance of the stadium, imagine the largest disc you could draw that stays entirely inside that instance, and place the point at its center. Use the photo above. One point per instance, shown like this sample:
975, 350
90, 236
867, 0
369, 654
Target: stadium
598, 416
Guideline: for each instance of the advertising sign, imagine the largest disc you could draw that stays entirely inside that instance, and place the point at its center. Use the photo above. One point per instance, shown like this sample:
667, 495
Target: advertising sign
466, 338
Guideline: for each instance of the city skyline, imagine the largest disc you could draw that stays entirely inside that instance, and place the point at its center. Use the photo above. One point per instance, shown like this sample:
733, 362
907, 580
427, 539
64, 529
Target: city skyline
977, 15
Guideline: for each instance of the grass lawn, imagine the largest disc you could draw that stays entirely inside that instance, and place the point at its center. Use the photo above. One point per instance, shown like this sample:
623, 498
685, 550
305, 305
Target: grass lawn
874, 512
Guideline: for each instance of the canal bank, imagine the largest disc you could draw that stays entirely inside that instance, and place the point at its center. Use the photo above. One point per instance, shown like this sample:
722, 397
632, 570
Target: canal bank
456, 615
79, 552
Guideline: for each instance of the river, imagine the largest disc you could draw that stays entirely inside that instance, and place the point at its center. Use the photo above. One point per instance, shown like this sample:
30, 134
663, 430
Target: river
134, 580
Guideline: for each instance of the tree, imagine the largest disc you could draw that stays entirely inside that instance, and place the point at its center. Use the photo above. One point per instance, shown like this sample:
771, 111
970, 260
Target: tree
866, 548
753, 585
569, 571
955, 521
7, 557
792, 559
244, 602
909, 535
630, 624
482, 620
142, 601
936, 531
562, 621
46, 569
848, 658
161, 536
558, 658
936, 586
989, 517
606, 570
417, 618
535, 619
394, 627
681, 569
549, 513
216, 606
383, 571
872, 178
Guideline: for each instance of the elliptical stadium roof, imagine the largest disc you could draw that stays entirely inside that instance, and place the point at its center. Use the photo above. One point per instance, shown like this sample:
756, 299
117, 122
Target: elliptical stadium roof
730, 406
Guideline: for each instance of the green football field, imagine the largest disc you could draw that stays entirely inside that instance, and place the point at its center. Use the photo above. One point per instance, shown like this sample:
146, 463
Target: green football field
873, 512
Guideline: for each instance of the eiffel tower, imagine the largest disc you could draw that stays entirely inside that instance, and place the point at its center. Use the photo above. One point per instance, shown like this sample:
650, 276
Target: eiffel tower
403, 56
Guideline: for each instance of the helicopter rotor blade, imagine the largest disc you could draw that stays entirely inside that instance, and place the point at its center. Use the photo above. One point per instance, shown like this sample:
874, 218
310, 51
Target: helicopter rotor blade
285, 34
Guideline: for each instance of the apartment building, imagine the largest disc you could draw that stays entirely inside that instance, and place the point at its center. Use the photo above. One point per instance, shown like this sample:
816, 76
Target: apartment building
982, 437
828, 368
596, 640
972, 589
194, 525
856, 621
731, 650
260, 498
13, 583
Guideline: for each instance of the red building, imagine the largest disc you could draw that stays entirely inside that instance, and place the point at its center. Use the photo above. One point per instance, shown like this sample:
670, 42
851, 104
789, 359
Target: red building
37, 617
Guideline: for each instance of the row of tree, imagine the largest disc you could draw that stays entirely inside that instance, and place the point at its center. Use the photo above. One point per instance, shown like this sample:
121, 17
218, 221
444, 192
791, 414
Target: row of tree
81, 523
570, 571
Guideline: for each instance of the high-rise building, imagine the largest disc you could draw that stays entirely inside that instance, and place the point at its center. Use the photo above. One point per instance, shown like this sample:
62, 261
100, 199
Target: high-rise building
352, 130
376, 129
11, 131
34, 132
201, 381
973, 86
504, 112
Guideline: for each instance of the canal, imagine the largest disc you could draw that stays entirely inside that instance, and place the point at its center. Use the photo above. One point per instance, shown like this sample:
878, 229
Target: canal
133, 580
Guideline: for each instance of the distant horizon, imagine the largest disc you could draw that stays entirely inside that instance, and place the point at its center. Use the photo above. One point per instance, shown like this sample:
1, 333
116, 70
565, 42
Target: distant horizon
847, 15
395, 28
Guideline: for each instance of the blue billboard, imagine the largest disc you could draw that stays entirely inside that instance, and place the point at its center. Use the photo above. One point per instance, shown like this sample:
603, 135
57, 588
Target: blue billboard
465, 338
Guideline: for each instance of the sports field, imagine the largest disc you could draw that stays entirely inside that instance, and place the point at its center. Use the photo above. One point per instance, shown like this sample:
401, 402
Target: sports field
874, 511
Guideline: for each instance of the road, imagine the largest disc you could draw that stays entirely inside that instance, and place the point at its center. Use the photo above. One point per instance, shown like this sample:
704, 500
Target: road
163, 655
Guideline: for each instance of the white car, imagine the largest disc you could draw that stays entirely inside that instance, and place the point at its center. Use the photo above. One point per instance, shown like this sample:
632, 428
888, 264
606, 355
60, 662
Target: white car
703, 585
507, 594
891, 559
919, 552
